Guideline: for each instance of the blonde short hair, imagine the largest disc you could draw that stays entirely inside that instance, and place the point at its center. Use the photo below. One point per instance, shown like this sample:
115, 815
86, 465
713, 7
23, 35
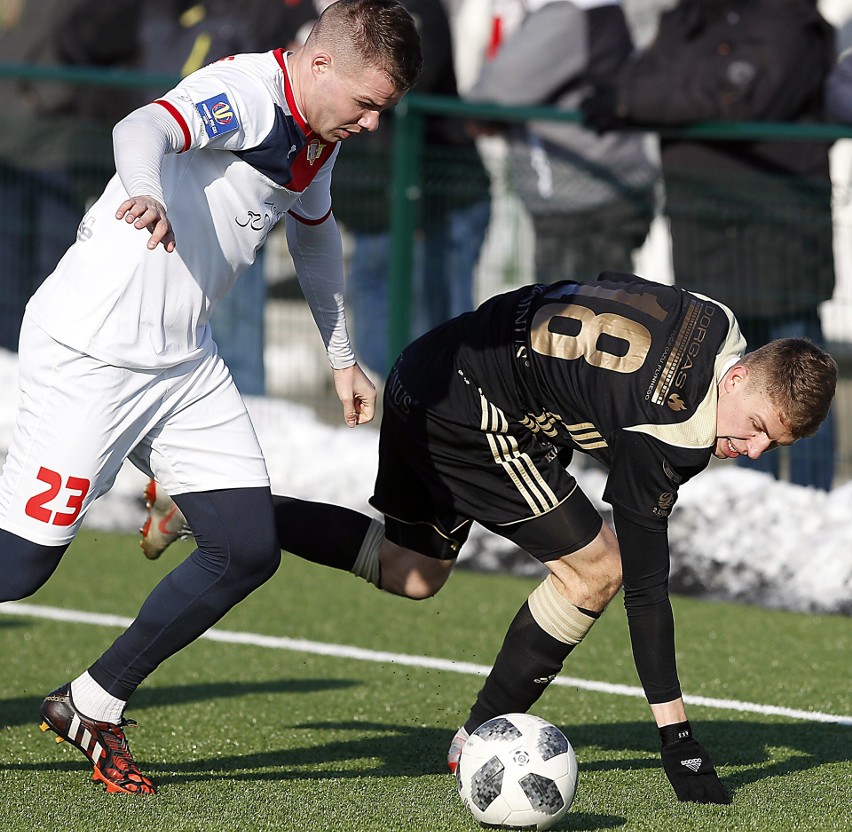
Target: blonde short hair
379, 33
800, 379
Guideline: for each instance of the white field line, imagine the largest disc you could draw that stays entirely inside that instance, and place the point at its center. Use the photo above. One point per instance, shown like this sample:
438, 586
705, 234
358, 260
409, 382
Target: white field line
343, 651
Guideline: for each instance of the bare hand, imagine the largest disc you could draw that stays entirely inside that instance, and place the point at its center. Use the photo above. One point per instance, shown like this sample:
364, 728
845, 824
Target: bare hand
146, 212
357, 394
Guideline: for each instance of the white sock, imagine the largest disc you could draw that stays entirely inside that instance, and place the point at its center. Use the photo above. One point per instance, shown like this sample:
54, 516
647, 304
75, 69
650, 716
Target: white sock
91, 700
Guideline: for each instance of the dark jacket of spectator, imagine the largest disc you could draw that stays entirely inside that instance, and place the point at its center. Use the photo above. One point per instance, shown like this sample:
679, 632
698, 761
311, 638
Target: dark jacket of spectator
838, 90
751, 220
145, 37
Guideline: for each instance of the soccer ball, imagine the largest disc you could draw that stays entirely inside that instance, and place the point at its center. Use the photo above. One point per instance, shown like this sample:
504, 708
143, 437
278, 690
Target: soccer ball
517, 770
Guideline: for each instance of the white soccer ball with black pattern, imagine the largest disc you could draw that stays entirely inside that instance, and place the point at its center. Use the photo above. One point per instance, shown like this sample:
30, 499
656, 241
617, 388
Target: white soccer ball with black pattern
517, 770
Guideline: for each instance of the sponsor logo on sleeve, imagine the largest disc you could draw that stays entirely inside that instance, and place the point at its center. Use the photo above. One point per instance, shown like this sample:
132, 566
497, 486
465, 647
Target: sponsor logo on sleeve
670, 472
218, 115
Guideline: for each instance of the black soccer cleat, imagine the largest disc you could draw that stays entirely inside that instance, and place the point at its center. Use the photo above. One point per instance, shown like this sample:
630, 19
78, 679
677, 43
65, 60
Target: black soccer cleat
103, 743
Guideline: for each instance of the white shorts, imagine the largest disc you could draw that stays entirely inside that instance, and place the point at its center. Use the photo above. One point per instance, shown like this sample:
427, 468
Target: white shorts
79, 419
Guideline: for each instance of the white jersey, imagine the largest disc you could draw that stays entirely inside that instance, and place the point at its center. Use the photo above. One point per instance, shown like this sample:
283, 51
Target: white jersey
248, 158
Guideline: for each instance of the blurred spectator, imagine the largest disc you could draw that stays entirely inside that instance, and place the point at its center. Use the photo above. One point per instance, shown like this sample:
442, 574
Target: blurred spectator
591, 198
177, 37
40, 205
453, 218
750, 220
479, 28
838, 90
169, 38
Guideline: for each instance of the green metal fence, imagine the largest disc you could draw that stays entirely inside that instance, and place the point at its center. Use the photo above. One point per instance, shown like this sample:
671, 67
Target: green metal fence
408, 189
65, 159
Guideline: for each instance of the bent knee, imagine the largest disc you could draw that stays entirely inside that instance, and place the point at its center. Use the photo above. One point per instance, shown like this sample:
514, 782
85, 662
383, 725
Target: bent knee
609, 577
418, 588
610, 584
252, 558
591, 576
411, 575
260, 561
606, 562
25, 566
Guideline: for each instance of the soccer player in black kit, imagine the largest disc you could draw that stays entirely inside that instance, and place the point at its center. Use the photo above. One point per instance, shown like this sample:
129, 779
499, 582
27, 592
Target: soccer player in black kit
481, 417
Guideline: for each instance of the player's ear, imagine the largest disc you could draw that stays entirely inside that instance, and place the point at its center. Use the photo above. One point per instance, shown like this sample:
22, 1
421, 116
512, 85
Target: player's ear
734, 377
321, 63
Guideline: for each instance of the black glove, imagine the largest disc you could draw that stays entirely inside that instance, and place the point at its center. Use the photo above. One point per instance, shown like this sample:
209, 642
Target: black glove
689, 768
600, 109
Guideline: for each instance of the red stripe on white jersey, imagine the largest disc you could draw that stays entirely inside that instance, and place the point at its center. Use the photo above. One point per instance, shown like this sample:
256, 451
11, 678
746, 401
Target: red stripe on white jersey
288, 93
175, 114
306, 221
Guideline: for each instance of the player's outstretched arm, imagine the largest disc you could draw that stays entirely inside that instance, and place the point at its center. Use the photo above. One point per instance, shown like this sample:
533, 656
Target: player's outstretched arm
147, 212
645, 567
357, 394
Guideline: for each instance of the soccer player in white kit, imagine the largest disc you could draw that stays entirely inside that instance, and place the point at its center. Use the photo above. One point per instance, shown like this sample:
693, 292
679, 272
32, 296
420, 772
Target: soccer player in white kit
117, 358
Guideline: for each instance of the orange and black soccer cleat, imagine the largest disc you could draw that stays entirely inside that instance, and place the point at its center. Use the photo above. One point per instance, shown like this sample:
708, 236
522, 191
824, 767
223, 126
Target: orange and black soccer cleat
103, 743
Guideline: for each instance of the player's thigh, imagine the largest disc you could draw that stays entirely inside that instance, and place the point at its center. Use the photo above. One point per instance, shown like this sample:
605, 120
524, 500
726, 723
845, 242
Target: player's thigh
411, 487
459, 460
569, 527
206, 440
77, 421
577, 547
423, 533
591, 575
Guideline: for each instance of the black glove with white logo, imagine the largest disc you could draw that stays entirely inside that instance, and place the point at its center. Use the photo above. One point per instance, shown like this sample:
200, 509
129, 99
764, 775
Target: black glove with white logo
689, 768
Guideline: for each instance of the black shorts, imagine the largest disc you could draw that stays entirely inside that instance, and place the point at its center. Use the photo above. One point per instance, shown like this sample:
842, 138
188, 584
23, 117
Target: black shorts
458, 460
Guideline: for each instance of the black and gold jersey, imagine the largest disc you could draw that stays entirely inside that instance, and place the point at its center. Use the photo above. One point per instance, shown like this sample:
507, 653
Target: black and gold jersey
622, 369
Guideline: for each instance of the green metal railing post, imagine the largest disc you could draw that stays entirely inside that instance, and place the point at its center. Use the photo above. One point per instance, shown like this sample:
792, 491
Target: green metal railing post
405, 209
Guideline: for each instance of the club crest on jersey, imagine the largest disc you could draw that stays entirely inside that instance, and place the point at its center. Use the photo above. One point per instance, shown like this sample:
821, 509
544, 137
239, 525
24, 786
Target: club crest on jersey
218, 115
315, 148
675, 402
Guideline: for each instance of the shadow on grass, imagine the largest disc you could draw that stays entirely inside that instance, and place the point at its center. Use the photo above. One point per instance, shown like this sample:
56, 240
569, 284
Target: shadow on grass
25, 709
377, 750
9, 621
746, 751
757, 750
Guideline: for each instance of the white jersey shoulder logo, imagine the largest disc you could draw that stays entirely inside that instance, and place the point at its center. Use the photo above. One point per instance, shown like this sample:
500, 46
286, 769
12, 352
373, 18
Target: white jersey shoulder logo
218, 115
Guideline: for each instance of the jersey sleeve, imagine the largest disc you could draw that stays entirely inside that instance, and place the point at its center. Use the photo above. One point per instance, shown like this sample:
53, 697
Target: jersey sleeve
645, 476
220, 107
645, 562
140, 141
317, 253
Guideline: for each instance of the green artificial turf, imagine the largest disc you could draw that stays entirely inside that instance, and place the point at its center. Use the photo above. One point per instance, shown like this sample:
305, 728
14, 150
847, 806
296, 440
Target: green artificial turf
245, 737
